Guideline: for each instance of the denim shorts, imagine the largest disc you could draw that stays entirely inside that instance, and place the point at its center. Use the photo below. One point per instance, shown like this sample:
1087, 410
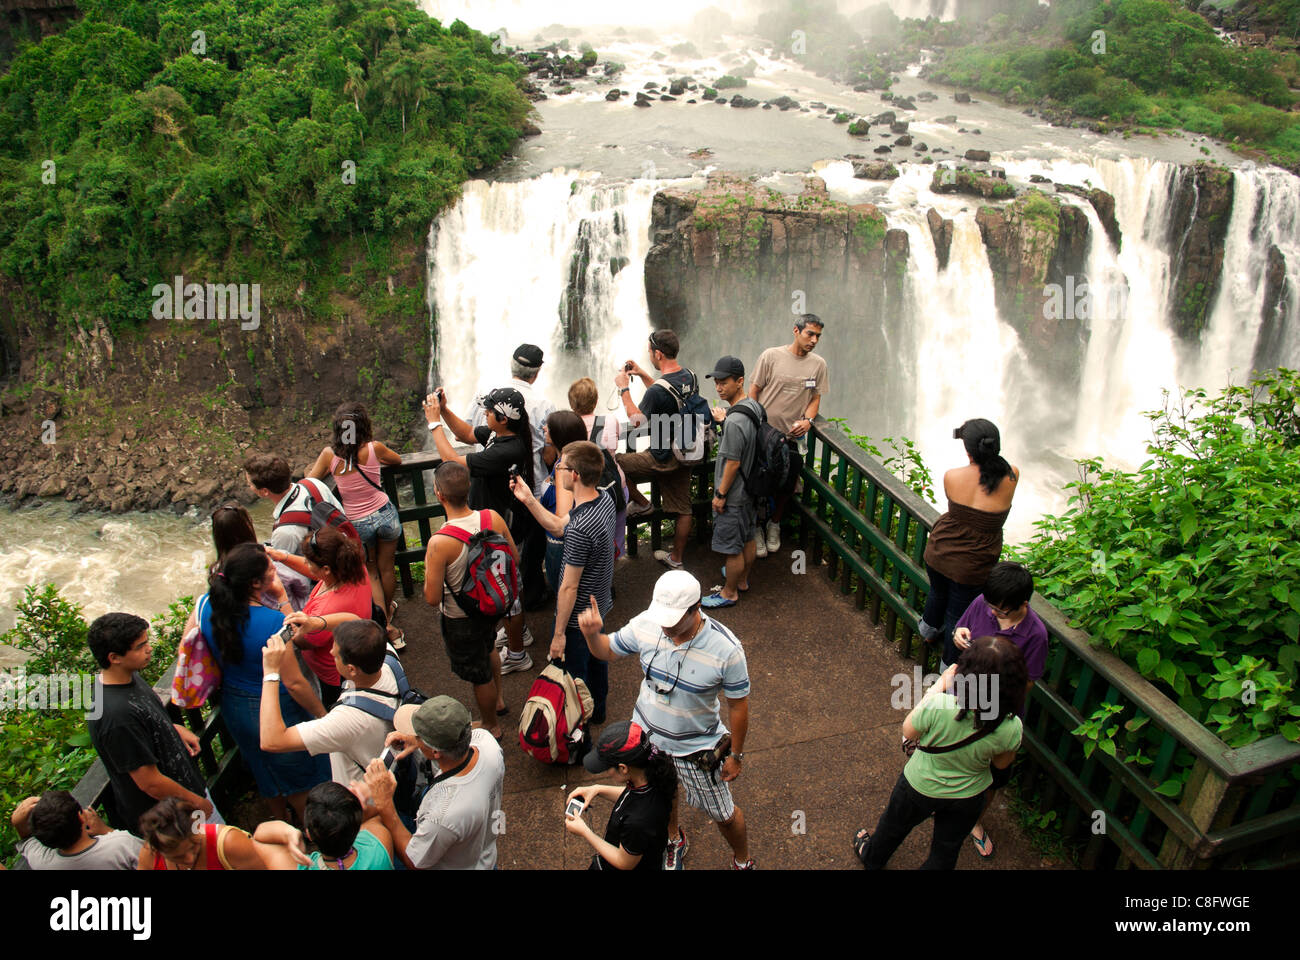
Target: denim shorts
383, 524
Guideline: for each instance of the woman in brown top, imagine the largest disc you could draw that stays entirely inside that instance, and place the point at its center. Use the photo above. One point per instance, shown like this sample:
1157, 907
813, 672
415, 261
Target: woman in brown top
967, 540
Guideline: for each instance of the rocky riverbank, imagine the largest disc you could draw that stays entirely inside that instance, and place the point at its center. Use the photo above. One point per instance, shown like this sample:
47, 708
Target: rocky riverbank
162, 417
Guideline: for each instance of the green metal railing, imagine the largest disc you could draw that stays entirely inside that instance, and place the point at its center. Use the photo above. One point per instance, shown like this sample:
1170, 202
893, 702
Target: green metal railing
1239, 807
421, 508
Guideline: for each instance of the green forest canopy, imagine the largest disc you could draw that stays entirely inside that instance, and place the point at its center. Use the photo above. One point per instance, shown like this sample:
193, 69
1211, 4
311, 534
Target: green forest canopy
132, 147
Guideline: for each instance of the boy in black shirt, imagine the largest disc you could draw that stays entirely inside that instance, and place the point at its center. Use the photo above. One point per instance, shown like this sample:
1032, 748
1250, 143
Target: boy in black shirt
146, 755
637, 832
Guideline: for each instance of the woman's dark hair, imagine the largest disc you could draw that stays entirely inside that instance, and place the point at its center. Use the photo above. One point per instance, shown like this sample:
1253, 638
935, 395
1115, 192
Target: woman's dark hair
661, 773
984, 446
56, 819
565, 427
333, 819
167, 824
991, 681
331, 547
351, 421
229, 591
523, 429
231, 526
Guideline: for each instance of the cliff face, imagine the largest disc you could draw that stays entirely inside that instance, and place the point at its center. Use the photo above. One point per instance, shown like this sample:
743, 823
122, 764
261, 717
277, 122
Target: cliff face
734, 258
1202, 209
164, 416
1036, 243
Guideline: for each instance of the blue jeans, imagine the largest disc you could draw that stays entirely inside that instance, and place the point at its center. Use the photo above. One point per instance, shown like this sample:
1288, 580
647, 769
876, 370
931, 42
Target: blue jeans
383, 524
593, 671
944, 606
277, 774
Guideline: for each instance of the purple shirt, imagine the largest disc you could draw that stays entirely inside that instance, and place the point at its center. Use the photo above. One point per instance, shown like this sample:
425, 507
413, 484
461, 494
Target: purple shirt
1030, 634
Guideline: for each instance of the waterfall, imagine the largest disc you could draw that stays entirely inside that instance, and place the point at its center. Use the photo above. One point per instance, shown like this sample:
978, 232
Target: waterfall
559, 261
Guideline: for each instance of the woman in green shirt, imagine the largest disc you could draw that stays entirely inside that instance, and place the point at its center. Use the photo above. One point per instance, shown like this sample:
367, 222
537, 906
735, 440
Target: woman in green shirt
966, 723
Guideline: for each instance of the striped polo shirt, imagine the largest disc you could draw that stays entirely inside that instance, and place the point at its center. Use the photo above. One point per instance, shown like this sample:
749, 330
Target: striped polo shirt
687, 719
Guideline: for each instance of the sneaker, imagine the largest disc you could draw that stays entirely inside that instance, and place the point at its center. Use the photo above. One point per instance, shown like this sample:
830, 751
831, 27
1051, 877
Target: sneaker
773, 537
737, 865
511, 664
675, 852
760, 544
666, 558
502, 639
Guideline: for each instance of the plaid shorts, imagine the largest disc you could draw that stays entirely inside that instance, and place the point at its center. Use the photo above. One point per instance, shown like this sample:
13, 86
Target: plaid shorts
705, 791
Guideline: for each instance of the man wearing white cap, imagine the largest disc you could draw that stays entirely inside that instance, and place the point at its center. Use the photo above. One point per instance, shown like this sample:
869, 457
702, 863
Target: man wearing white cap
455, 828
687, 659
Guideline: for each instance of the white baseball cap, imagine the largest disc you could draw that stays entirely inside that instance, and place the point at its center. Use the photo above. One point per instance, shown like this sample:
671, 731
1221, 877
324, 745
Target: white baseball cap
675, 593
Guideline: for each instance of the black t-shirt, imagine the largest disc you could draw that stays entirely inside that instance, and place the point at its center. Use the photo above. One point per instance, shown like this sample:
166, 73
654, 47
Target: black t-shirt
135, 731
639, 824
489, 484
657, 400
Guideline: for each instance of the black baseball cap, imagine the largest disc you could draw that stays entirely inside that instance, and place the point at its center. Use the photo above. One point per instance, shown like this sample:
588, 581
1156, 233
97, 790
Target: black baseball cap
529, 354
622, 742
727, 367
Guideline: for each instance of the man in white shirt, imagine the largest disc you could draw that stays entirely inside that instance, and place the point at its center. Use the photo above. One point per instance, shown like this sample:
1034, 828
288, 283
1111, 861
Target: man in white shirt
354, 729
56, 833
458, 822
270, 478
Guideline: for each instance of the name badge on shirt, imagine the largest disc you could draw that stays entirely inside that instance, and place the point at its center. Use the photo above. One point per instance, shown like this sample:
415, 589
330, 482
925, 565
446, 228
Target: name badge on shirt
810, 383
662, 698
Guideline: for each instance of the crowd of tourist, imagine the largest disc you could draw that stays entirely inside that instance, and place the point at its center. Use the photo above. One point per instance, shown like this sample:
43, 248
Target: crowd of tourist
294, 638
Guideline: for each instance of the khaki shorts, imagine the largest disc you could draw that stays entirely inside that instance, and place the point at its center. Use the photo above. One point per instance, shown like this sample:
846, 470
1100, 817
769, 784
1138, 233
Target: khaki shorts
674, 478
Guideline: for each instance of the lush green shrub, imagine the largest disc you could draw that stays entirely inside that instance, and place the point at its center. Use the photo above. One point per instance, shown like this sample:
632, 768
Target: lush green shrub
1189, 567
727, 82
50, 749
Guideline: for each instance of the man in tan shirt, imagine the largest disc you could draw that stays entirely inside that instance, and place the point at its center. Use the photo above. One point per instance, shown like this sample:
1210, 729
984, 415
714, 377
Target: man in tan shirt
789, 382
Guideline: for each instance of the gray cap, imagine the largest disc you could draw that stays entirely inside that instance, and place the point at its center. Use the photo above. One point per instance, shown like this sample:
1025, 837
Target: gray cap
440, 722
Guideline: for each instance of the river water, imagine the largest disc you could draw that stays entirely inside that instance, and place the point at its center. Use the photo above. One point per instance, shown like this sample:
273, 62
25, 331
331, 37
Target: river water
500, 259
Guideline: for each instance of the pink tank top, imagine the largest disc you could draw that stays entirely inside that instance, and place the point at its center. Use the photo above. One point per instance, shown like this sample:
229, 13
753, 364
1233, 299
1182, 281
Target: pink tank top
360, 498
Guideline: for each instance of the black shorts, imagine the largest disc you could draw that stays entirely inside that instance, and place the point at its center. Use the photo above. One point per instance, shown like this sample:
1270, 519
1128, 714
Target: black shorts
1001, 777
469, 642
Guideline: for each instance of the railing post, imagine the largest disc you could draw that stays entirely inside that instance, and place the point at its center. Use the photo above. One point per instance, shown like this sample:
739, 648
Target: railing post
1205, 797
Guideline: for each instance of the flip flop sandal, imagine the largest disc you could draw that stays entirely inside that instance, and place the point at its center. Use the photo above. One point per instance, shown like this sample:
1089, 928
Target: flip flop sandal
504, 711
860, 841
392, 610
716, 601
398, 642
984, 845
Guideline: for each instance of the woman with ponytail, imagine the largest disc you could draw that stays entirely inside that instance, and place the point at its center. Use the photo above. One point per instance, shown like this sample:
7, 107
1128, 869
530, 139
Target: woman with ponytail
967, 540
637, 832
245, 605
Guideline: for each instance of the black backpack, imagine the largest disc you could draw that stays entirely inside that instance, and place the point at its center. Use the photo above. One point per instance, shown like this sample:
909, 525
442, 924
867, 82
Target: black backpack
776, 458
609, 478
414, 772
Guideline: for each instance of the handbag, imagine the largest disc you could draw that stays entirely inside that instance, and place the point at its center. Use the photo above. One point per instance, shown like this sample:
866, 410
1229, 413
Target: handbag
197, 671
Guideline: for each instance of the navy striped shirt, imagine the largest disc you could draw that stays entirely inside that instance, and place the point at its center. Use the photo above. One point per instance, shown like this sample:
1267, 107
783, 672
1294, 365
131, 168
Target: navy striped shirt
589, 543
687, 720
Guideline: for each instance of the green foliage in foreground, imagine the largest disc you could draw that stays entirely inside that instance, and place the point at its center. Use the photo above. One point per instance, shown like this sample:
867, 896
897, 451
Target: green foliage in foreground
129, 152
1189, 568
50, 749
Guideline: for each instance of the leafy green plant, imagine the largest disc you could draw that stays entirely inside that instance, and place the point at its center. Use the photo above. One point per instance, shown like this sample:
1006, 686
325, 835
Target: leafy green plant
905, 461
1189, 567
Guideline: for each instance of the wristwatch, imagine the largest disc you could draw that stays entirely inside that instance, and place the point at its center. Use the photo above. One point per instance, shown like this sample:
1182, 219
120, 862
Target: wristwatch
739, 756
623, 390
270, 677
435, 425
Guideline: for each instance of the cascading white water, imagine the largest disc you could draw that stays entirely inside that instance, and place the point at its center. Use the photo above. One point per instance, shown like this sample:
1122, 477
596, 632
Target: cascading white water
500, 265
1265, 213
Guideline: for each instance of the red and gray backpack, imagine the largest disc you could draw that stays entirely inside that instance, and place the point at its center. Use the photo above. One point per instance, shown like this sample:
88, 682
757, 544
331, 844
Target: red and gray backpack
314, 510
491, 581
554, 724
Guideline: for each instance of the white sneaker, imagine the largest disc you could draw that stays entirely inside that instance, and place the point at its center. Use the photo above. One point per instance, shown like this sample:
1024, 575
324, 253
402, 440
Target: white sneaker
773, 537
760, 543
502, 639
511, 664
